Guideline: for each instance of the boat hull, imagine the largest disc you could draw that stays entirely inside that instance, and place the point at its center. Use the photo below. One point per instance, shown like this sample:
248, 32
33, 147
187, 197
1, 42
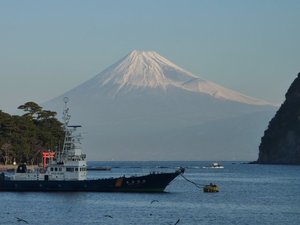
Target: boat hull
155, 182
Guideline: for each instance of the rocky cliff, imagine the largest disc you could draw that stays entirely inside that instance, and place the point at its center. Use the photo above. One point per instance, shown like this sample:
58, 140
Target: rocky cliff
281, 141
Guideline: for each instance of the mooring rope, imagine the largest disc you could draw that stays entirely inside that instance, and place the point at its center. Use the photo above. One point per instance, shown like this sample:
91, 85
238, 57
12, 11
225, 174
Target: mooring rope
200, 186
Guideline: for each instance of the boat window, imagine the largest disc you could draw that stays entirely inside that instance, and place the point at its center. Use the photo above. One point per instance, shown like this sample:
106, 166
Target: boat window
51, 168
70, 169
55, 168
76, 169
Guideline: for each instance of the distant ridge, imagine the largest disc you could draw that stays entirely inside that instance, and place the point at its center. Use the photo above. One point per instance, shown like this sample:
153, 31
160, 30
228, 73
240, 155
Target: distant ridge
144, 107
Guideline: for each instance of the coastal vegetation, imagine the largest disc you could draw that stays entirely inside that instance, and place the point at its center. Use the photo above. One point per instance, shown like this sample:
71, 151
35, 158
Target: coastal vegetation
23, 138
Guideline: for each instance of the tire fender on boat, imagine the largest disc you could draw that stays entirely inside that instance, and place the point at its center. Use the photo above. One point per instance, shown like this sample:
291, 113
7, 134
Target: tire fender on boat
119, 182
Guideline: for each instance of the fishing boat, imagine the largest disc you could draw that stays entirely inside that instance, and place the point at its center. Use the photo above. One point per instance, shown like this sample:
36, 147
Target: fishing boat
214, 165
66, 171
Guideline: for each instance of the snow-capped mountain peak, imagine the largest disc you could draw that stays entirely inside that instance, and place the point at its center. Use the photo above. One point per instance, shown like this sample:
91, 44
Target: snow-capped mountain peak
144, 107
148, 69
139, 69
143, 69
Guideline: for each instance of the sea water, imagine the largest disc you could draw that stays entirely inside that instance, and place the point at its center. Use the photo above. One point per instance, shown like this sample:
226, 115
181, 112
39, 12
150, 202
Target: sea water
249, 194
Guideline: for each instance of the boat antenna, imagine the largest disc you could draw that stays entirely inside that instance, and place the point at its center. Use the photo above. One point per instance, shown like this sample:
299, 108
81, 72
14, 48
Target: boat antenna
66, 115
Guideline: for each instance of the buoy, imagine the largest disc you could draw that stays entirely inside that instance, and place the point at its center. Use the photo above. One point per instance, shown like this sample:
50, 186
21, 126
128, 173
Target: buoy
211, 188
206, 187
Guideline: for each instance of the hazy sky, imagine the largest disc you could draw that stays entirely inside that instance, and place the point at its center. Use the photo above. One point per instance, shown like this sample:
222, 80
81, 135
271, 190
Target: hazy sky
49, 47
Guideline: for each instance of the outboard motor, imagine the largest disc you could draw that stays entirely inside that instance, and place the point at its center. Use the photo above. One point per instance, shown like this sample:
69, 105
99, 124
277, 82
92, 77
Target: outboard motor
22, 168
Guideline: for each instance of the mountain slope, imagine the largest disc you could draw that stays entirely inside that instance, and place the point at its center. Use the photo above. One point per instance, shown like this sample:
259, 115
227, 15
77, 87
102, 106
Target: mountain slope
133, 108
141, 69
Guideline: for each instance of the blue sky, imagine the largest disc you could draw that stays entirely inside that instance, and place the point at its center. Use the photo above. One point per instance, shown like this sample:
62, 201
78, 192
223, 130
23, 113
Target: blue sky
49, 47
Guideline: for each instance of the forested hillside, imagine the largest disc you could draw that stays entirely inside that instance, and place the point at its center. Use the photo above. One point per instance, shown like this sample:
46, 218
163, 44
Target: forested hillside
23, 138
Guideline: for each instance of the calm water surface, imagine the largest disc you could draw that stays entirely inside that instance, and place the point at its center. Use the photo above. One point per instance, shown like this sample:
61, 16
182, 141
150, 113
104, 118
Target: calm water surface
249, 194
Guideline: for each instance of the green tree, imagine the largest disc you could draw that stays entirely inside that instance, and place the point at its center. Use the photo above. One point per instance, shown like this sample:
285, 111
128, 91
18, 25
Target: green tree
24, 137
32, 109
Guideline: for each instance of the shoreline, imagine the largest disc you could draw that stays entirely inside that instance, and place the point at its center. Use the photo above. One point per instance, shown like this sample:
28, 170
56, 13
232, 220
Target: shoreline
10, 167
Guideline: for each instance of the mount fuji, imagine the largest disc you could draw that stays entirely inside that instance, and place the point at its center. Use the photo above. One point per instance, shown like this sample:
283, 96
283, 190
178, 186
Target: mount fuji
145, 107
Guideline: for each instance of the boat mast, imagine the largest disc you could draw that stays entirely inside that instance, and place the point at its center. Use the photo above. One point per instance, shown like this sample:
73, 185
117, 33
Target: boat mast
66, 115
71, 145
66, 118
